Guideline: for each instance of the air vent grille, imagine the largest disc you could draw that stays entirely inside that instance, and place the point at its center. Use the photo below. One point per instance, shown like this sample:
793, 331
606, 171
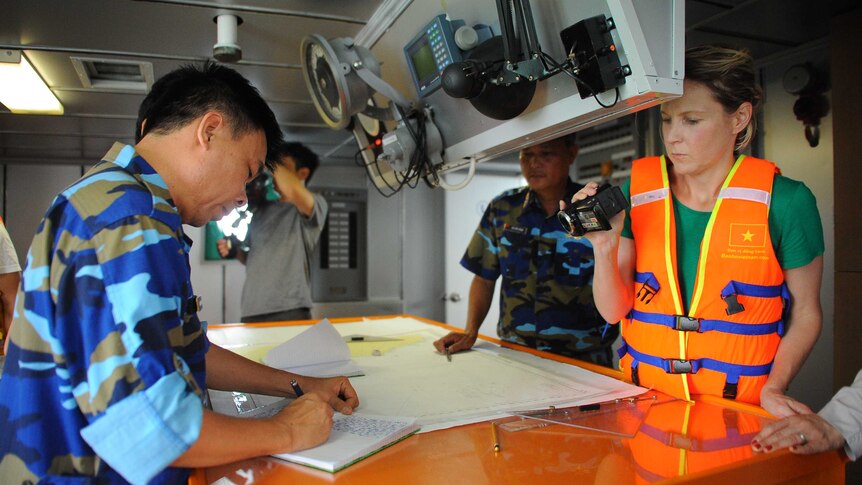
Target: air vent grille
113, 74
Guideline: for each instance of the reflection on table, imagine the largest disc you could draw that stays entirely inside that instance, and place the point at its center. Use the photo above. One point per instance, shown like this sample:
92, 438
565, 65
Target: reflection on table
706, 441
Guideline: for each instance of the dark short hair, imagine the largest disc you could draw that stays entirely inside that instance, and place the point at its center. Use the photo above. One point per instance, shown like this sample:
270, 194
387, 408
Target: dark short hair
302, 156
191, 91
569, 139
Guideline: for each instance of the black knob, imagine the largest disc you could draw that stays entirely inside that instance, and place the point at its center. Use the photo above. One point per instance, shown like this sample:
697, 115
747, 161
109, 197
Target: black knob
463, 79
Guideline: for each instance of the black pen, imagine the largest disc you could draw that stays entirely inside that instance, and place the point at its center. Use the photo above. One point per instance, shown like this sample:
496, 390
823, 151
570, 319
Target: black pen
296, 388
448, 354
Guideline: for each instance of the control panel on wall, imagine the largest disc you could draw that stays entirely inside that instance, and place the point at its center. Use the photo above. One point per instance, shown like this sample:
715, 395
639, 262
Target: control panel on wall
340, 272
439, 44
430, 52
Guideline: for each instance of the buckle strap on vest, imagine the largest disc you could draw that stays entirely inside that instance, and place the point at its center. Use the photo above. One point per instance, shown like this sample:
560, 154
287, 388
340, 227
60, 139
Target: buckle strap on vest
735, 288
620, 353
688, 324
748, 289
730, 390
649, 286
679, 366
624, 348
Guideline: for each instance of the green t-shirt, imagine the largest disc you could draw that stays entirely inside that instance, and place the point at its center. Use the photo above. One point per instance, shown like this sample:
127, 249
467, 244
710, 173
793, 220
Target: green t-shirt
795, 243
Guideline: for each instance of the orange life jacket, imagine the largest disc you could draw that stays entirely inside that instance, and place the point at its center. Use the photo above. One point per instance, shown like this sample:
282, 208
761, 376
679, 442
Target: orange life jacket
726, 343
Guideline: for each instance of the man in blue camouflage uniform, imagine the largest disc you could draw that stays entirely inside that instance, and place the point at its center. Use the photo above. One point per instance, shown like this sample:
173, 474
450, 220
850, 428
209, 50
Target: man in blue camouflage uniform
546, 298
108, 362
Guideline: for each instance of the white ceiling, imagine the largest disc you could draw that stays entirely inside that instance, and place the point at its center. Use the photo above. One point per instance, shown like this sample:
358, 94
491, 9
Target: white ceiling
168, 33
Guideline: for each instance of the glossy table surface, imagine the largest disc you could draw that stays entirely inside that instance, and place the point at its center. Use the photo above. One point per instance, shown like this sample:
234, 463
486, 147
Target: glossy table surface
706, 441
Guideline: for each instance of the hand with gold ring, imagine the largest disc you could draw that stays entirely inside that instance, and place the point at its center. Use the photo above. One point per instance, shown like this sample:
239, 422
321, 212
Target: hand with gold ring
803, 434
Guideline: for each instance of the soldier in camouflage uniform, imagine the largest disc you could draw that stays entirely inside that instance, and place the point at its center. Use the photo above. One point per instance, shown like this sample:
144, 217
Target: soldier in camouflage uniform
108, 362
546, 297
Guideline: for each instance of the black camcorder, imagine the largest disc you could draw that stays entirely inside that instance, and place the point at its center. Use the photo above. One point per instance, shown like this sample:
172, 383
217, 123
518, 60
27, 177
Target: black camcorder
594, 212
261, 190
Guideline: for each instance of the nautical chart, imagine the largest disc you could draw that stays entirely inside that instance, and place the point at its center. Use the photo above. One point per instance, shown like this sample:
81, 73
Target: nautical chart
407, 377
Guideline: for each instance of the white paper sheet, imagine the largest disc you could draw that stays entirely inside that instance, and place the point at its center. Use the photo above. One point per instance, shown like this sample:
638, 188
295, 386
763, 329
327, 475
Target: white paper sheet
485, 383
319, 351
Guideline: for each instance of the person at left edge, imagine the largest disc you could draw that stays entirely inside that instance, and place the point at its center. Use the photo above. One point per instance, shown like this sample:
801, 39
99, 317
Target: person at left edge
546, 294
10, 277
108, 362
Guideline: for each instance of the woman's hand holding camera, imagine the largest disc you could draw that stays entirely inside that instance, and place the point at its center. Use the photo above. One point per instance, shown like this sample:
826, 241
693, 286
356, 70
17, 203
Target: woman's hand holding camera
601, 240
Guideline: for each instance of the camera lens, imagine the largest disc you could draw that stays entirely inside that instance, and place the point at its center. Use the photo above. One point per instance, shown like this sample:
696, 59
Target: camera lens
566, 222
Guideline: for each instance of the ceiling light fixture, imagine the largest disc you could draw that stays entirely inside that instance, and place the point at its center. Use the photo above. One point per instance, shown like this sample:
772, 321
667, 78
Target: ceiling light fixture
22, 90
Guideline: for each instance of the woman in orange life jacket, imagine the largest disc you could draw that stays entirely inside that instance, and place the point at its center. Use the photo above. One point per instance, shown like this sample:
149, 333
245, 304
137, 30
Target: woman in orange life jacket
714, 271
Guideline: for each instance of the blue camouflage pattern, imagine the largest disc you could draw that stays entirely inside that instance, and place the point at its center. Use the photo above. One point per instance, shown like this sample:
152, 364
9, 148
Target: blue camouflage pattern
106, 365
546, 295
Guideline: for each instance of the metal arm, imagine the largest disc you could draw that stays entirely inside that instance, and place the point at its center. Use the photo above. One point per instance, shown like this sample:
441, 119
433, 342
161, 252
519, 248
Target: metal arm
521, 49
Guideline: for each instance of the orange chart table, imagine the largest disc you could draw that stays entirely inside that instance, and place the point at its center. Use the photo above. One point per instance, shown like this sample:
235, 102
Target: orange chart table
702, 442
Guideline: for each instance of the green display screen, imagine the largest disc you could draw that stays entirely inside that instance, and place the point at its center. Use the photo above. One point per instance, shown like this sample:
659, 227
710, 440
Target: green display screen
423, 60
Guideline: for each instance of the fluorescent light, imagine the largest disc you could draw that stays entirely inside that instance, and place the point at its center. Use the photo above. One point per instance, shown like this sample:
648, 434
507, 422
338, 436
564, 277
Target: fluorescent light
22, 90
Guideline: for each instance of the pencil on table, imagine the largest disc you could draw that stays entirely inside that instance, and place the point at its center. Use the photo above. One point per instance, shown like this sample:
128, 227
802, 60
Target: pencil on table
494, 435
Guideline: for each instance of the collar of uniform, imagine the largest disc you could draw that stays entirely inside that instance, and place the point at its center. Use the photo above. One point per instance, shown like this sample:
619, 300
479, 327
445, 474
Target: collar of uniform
125, 157
531, 200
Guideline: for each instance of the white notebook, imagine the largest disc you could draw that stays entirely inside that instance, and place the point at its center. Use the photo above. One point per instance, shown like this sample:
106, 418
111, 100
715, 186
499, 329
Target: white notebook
353, 438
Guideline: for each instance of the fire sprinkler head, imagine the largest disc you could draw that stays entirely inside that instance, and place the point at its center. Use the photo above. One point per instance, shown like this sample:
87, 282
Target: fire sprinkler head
226, 49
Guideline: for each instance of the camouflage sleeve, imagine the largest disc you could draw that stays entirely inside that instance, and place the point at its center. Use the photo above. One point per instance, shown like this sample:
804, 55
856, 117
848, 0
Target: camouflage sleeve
136, 391
482, 255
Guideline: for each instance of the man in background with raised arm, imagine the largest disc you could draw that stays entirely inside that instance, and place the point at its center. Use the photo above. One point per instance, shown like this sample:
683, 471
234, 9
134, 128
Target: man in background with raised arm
281, 240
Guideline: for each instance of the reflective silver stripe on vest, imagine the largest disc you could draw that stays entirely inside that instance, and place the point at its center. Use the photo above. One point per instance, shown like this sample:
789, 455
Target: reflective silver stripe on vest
651, 196
753, 195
